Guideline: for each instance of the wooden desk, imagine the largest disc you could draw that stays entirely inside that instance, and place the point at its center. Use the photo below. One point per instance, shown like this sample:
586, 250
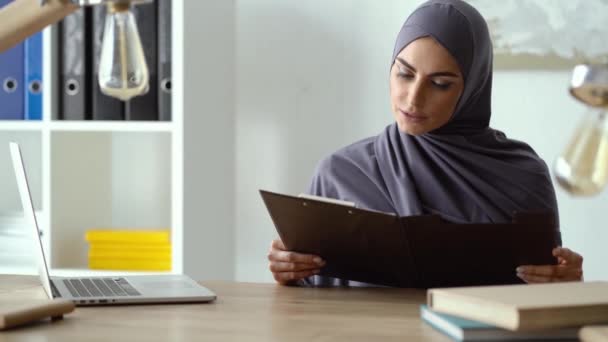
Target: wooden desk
242, 312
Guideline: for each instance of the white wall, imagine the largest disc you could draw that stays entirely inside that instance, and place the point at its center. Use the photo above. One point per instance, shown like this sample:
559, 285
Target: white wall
312, 76
536, 107
208, 106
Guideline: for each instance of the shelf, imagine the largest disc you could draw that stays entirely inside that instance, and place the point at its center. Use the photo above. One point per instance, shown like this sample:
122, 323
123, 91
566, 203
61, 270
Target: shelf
108, 180
90, 173
87, 126
20, 125
111, 126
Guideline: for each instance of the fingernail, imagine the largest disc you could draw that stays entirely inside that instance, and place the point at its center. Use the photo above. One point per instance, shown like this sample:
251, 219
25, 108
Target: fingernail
317, 260
519, 270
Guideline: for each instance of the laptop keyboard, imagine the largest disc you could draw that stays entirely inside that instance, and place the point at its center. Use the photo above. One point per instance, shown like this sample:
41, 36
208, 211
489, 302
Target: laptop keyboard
100, 287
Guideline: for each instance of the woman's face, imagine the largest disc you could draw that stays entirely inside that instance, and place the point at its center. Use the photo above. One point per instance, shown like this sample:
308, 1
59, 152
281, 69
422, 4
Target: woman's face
425, 85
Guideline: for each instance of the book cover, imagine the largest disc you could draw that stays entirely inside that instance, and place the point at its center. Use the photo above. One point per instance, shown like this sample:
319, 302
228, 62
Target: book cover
131, 236
594, 333
129, 265
128, 254
460, 329
109, 247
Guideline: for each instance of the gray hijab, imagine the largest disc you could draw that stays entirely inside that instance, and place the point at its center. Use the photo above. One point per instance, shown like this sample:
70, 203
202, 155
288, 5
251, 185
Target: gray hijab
464, 171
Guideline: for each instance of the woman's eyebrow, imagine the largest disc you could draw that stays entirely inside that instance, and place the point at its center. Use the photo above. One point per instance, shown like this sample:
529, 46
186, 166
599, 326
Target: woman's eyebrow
439, 73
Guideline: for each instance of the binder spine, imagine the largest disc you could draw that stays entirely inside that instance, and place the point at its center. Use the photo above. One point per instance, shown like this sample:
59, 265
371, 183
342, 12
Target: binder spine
74, 72
103, 106
33, 77
145, 107
11, 81
164, 59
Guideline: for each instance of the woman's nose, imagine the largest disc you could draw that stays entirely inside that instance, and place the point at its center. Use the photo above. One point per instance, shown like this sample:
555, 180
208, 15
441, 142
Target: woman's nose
415, 96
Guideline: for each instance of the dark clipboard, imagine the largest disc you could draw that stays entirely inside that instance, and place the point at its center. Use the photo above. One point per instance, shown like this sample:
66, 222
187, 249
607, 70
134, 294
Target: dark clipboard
415, 251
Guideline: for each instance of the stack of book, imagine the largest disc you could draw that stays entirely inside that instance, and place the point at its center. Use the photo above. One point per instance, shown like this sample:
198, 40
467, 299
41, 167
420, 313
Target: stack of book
553, 311
131, 250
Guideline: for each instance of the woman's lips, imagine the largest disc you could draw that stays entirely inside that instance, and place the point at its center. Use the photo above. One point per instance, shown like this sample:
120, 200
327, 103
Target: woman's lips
413, 117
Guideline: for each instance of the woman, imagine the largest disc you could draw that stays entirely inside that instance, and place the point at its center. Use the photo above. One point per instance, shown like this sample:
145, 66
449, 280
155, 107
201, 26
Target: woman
440, 156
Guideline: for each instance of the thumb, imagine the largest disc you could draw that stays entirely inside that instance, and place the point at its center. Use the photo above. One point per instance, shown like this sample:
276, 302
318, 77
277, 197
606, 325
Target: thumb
557, 251
278, 244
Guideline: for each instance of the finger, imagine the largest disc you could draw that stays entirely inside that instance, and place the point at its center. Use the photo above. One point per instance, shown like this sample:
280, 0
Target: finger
544, 270
286, 256
278, 266
567, 254
572, 273
569, 274
284, 277
534, 279
559, 273
277, 244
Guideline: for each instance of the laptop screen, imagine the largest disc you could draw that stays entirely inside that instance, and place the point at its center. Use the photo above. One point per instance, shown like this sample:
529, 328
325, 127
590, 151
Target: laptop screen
30, 217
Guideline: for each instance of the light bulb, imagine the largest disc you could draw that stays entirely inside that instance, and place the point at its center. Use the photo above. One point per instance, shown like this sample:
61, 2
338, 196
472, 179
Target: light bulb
583, 167
123, 72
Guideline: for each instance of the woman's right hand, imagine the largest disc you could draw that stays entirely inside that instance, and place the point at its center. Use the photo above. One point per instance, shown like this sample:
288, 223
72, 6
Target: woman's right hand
287, 266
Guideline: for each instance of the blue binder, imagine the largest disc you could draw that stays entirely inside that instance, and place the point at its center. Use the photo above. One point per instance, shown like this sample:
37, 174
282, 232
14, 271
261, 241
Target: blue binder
33, 77
11, 81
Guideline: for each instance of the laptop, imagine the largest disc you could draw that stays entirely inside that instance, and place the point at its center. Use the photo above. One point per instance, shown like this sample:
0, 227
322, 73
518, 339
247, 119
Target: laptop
108, 290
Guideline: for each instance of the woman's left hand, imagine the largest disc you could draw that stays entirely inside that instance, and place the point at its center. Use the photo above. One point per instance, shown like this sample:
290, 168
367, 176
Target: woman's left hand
569, 268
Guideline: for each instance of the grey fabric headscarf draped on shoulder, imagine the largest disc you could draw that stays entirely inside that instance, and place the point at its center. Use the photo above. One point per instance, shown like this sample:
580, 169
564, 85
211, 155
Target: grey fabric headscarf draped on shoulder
464, 171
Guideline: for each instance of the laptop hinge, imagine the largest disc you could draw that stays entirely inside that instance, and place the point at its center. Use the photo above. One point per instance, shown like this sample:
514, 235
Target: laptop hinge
54, 290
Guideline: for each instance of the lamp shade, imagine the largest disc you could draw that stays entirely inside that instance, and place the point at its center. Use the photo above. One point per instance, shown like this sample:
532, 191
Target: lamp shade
589, 84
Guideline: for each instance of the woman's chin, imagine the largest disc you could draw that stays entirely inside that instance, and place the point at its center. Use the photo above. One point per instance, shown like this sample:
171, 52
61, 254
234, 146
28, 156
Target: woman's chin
414, 129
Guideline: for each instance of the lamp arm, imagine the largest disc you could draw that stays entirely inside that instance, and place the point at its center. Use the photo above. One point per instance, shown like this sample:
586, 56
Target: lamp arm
22, 18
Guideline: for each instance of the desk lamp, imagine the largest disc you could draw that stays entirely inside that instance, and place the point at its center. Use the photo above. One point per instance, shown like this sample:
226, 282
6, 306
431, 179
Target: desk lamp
582, 169
123, 72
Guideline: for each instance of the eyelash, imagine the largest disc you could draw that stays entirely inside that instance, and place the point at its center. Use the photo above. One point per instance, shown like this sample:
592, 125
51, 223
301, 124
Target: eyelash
440, 86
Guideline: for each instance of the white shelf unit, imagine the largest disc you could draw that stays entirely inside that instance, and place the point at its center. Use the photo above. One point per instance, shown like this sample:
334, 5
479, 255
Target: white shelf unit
96, 174
198, 143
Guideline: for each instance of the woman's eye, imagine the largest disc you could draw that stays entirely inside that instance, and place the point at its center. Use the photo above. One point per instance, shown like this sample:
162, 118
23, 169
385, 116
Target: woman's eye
442, 85
405, 74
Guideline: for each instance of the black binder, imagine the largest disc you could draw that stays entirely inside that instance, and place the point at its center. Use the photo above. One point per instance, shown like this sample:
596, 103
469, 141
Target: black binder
103, 107
416, 251
145, 107
75, 77
164, 59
